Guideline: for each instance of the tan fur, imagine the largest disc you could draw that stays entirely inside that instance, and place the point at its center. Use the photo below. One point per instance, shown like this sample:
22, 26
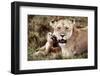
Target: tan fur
76, 38
48, 48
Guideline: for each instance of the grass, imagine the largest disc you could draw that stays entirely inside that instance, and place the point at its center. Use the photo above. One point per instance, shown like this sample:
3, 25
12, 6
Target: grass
48, 57
38, 26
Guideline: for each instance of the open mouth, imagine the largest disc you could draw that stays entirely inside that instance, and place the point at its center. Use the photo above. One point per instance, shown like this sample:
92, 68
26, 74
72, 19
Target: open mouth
62, 41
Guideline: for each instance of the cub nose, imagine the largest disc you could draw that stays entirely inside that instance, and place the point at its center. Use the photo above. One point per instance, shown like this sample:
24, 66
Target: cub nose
62, 35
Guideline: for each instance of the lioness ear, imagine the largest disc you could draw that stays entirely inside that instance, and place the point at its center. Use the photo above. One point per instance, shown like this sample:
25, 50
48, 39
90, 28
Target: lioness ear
73, 21
52, 23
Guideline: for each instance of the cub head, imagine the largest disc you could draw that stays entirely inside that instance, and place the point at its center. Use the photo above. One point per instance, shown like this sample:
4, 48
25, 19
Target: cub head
51, 37
62, 29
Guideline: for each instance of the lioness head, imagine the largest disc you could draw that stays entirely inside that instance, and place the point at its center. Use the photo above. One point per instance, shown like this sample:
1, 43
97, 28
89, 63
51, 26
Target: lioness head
62, 29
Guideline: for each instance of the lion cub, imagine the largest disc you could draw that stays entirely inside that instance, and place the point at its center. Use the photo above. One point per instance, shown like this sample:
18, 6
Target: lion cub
51, 47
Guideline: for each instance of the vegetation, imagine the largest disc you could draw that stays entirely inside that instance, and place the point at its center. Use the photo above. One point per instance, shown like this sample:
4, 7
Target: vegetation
38, 26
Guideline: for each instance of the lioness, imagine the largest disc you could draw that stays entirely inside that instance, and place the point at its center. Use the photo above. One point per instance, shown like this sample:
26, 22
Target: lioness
71, 40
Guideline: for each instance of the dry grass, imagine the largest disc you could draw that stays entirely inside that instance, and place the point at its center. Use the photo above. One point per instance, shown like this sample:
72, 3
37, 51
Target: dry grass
38, 26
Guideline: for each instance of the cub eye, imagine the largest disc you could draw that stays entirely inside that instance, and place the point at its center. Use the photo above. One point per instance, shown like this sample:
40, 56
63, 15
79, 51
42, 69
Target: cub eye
59, 28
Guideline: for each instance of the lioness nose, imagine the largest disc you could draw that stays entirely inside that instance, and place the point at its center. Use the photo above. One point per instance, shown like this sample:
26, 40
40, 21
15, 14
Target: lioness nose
62, 35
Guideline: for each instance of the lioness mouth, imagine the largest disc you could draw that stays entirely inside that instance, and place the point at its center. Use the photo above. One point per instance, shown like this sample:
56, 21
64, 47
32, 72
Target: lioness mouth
62, 41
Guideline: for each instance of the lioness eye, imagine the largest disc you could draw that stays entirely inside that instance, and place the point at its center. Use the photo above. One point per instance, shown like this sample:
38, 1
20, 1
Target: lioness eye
66, 27
59, 28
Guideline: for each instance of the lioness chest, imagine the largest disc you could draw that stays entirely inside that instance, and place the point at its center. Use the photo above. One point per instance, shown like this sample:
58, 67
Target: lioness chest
66, 51
75, 45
